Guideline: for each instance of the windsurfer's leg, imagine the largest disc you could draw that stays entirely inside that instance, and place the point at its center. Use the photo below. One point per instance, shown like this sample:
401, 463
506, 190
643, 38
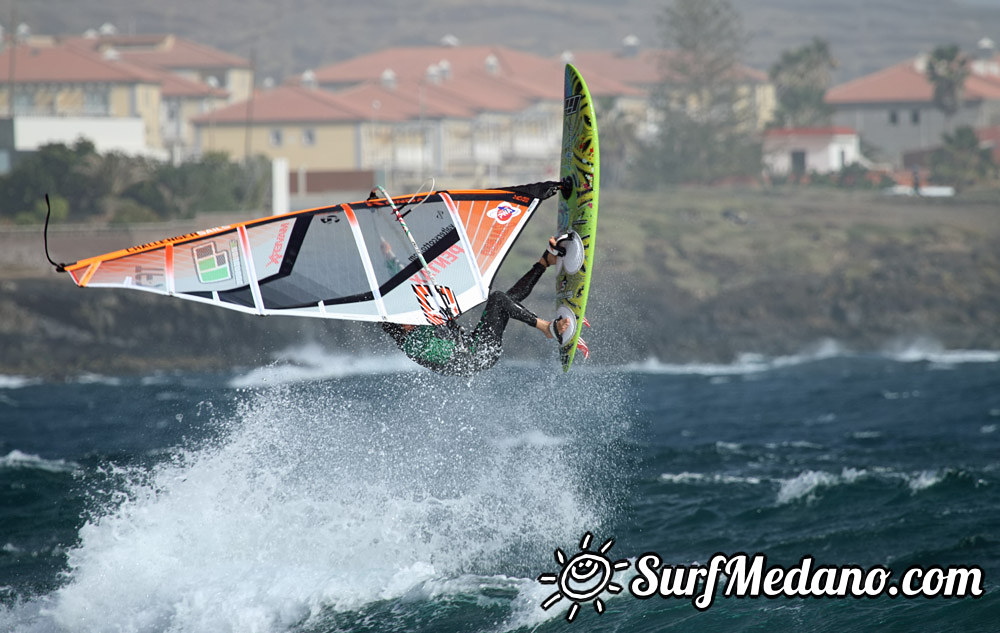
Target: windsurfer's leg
500, 309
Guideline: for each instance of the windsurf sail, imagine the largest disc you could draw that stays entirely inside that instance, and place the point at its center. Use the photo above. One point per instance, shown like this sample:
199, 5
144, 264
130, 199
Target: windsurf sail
348, 261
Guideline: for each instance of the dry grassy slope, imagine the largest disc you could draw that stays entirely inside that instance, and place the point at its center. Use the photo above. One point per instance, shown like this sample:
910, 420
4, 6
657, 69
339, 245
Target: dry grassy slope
289, 37
682, 275
699, 274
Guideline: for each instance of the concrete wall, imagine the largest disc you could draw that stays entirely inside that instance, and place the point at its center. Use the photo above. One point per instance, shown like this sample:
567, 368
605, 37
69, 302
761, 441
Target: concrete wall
126, 135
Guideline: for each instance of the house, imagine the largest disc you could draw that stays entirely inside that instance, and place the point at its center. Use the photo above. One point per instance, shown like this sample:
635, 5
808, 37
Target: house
893, 109
181, 101
478, 114
311, 128
55, 93
799, 151
509, 125
179, 56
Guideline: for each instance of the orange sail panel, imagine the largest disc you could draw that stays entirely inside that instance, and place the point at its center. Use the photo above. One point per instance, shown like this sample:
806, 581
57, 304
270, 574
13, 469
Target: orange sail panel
350, 261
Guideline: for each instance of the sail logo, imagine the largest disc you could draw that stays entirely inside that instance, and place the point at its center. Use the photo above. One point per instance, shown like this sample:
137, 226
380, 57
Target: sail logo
279, 245
211, 265
503, 213
431, 303
572, 104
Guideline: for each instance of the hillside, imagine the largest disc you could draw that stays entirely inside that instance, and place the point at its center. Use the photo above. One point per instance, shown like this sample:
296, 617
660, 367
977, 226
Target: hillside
692, 275
286, 38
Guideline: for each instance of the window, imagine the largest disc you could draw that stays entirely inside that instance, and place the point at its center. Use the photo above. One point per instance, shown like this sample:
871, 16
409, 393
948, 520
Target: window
24, 101
893, 117
275, 138
96, 101
915, 117
309, 137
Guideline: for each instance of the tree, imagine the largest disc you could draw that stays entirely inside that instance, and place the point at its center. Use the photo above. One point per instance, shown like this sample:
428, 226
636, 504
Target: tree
707, 129
947, 70
961, 162
801, 78
619, 144
54, 169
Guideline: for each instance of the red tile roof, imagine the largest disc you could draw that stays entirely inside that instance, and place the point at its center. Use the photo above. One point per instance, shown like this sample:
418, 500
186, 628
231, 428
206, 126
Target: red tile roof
162, 51
905, 82
407, 101
173, 85
289, 104
477, 78
412, 62
61, 64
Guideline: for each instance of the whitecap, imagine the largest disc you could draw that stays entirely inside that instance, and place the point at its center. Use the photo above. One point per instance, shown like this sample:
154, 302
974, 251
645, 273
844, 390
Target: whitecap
923, 480
18, 459
699, 478
745, 364
929, 350
804, 485
313, 362
88, 378
16, 382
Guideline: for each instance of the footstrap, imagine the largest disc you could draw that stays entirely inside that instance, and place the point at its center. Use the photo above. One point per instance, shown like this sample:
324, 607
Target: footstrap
555, 332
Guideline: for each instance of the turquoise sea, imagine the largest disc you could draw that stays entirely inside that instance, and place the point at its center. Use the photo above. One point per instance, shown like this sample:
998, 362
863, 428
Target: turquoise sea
325, 493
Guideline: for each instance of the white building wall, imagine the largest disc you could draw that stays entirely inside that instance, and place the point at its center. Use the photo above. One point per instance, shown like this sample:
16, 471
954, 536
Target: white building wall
894, 129
108, 134
823, 153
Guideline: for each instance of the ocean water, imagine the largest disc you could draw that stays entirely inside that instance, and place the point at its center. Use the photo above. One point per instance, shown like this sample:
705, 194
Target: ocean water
323, 494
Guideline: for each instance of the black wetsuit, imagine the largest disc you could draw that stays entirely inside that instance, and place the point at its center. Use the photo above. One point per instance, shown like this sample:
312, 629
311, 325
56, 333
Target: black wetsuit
451, 351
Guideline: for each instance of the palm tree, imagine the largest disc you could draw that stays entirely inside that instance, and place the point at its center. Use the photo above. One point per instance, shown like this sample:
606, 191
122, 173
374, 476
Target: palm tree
802, 77
947, 70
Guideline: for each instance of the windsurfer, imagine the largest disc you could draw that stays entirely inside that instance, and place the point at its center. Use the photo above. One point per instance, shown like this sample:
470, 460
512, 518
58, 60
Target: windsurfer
449, 350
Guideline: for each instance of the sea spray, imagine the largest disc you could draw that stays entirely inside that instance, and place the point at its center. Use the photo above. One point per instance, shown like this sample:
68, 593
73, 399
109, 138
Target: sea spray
329, 497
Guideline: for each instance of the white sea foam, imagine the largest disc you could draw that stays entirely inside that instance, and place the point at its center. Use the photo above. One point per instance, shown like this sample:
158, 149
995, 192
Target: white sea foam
312, 362
89, 378
807, 485
16, 382
316, 501
920, 350
923, 480
928, 350
702, 478
748, 363
804, 485
17, 459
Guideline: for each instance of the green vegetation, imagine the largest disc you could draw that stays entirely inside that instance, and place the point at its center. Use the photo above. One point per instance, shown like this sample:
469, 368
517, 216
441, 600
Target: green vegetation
801, 78
84, 186
961, 162
706, 126
947, 70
